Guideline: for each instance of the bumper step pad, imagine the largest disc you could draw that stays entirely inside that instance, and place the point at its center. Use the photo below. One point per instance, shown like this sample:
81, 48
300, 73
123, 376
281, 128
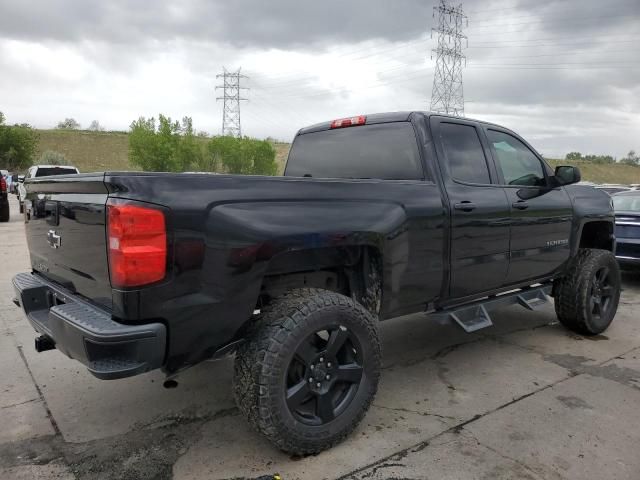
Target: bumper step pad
476, 315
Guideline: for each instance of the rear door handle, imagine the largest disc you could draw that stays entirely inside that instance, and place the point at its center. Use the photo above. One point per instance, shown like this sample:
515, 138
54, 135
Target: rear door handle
465, 206
520, 205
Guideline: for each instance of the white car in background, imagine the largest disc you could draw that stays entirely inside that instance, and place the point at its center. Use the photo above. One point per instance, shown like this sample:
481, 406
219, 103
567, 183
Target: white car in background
42, 171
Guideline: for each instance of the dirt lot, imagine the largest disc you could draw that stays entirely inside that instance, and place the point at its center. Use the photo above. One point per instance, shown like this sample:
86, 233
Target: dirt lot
524, 399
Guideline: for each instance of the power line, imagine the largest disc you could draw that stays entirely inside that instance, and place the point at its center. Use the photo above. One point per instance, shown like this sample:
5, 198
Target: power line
231, 102
447, 95
596, 18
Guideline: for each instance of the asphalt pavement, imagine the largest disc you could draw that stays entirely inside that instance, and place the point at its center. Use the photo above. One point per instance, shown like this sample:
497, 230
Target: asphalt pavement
523, 399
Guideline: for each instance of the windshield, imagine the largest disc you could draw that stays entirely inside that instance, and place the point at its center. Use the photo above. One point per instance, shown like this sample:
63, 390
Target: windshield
626, 203
46, 171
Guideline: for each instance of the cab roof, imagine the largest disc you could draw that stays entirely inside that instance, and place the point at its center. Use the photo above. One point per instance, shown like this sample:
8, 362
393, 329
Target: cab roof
389, 117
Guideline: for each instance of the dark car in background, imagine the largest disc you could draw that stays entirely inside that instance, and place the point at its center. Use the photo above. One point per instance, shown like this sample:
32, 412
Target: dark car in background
627, 209
4, 199
613, 189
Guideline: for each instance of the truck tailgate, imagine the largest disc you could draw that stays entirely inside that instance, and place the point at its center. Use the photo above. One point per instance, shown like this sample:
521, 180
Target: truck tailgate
65, 229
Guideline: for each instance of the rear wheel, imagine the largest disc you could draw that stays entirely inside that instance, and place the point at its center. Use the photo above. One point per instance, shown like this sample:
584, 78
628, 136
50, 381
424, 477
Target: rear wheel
309, 370
586, 298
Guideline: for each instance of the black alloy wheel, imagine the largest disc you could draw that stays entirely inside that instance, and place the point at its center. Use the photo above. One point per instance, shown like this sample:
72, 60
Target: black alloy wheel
602, 290
324, 375
309, 369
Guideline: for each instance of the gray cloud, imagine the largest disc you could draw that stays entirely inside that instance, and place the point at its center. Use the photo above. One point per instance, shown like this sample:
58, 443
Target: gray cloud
552, 68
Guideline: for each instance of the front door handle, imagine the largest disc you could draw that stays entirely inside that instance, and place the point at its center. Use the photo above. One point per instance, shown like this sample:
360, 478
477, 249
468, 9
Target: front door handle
520, 205
465, 206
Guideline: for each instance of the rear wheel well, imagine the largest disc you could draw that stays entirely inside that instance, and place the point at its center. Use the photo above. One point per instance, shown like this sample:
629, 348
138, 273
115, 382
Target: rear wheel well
597, 235
357, 274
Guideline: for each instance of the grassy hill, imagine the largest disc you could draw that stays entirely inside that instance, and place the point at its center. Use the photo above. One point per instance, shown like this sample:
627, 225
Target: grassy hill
96, 151
593, 172
89, 151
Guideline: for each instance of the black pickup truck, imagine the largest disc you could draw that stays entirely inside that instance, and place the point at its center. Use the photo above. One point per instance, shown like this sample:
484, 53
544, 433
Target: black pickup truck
375, 217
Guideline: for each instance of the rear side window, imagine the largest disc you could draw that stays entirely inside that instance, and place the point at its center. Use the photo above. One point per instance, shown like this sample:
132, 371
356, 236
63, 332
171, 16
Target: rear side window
464, 153
387, 151
43, 172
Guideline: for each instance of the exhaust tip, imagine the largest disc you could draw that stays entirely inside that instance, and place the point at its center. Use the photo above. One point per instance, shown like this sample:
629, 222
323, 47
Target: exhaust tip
44, 343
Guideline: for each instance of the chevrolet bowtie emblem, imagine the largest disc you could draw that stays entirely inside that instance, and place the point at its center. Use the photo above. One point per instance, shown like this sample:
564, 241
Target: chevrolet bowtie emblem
54, 239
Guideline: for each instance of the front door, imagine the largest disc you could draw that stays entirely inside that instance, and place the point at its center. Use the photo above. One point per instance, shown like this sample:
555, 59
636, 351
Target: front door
541, 217
479, 238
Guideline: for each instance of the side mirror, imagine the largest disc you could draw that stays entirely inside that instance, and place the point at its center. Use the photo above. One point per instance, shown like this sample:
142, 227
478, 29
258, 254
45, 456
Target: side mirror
566, 175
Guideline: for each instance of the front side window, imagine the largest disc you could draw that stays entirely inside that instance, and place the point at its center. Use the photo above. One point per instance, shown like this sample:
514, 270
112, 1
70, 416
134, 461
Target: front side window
464, 153
518, 164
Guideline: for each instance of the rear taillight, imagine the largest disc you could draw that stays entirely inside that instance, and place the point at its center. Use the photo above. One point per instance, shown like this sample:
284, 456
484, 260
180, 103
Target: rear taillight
349, 122
3, 184
137, 244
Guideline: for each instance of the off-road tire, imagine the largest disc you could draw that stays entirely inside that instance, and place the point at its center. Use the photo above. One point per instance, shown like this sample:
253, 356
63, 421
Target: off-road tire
572, 292
4, 213
262, 363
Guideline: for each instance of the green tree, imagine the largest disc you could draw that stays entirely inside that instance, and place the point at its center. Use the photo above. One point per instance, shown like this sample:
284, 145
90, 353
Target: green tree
573, 156
68, 124
245, 156
632, 158
167, 146
17, 145
95, 126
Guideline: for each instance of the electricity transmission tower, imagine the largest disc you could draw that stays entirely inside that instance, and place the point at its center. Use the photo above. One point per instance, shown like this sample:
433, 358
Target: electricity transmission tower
231, 98
447, 93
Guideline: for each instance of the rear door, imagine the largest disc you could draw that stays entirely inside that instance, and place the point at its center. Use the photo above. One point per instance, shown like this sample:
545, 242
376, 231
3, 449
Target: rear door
479, 241
541, 217
65, 228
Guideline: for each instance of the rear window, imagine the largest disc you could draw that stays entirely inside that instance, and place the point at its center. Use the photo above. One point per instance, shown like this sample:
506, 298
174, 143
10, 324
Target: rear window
387, 151
44, 172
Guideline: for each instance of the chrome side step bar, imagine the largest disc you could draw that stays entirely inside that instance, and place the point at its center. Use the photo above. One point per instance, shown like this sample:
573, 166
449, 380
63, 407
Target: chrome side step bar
474, 316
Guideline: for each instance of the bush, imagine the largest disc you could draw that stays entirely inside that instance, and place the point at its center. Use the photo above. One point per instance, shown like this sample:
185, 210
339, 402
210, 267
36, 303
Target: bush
51, 157
246, 156
17, 145
166, 147
600, 159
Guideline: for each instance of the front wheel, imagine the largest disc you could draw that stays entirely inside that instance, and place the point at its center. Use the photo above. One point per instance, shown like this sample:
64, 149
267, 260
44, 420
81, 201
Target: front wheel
309, 370
586, 298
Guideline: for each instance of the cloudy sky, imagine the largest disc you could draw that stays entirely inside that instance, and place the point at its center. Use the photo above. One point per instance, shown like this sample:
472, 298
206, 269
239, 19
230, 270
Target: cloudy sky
563, 73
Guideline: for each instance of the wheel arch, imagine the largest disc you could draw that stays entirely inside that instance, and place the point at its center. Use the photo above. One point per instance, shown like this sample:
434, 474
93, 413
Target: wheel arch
355, 271
597, 234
